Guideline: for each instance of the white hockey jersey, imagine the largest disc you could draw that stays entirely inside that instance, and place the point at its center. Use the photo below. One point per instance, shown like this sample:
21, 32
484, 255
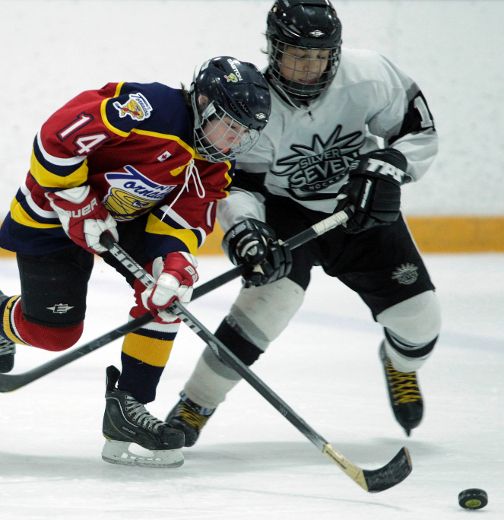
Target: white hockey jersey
304, 153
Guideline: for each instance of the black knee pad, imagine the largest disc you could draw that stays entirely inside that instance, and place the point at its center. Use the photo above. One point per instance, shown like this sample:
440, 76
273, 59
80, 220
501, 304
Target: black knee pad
411, 351
241, 347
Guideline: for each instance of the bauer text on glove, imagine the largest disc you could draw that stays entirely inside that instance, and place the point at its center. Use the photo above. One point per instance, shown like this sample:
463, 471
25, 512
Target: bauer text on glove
83, 217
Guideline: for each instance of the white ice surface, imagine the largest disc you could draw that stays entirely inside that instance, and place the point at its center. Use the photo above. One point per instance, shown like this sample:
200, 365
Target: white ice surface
250, 462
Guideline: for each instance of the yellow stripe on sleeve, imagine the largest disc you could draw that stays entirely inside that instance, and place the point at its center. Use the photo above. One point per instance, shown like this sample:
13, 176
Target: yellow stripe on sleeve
187, 236
229, 181
20, 216
152, 351
48, 179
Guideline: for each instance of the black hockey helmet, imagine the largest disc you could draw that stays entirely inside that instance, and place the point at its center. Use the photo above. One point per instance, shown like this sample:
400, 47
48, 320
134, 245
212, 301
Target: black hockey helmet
235, 92
307, 25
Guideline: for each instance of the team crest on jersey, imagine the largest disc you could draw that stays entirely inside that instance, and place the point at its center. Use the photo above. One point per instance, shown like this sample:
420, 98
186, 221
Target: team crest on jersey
406, 274
313, 168
137, 107
132, 194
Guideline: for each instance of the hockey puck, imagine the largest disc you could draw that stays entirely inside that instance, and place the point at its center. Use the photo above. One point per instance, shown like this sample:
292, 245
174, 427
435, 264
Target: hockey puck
473, 498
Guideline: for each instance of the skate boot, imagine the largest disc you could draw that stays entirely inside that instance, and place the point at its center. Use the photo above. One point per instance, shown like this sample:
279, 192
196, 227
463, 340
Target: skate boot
404, 393
188, 417
126, 422
7, 347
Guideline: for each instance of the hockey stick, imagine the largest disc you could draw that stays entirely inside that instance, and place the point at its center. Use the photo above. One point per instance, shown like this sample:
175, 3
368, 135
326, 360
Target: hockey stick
317, 230
373, 481
10, 382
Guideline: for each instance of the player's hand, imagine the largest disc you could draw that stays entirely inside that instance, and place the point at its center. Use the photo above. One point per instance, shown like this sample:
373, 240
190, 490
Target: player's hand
373, 190
174, 278
83, 217
253, 244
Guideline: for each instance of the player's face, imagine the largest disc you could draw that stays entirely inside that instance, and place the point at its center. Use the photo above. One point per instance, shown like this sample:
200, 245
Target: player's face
302, 65
225, 134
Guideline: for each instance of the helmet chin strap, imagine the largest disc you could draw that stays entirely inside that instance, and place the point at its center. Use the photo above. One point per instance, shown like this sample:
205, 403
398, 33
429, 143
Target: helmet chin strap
277, 86
297, 102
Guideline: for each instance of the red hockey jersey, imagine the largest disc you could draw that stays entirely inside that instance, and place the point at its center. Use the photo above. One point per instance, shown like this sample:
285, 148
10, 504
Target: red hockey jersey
133, 144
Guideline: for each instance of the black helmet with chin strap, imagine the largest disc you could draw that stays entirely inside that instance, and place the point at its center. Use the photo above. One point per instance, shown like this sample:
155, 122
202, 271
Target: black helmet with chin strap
235, 92
307, 25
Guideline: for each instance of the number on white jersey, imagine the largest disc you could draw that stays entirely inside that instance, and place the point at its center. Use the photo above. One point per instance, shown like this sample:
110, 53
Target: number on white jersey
421, 106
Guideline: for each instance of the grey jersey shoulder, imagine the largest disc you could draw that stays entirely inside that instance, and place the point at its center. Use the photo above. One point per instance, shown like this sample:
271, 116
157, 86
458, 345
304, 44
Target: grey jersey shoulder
305, 152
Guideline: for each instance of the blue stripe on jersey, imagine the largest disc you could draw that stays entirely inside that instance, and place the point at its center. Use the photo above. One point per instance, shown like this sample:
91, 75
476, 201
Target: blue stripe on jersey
165, 217
31, 241
60, 171
160, 245
20, 197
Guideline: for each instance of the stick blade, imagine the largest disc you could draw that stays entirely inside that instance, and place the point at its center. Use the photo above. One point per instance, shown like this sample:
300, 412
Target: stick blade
391, 474
10, 382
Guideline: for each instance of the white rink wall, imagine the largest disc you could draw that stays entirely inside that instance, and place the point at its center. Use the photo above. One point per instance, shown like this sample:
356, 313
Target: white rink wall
52, 49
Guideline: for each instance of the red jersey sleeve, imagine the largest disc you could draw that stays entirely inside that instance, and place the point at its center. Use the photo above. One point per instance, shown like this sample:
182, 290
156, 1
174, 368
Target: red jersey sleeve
78, 129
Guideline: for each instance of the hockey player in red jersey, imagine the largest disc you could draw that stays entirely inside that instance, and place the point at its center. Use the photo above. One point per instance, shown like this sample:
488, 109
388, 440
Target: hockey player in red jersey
347, 129
145, 163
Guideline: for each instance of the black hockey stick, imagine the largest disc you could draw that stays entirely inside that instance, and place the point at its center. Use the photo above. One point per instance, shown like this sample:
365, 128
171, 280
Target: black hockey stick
10, 382
373, 481
317, 230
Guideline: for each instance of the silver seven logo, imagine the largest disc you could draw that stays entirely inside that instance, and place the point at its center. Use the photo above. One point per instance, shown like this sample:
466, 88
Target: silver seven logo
316, 167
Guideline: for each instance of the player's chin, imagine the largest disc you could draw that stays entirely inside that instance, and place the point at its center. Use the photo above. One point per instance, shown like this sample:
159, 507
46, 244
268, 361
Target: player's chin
308, 82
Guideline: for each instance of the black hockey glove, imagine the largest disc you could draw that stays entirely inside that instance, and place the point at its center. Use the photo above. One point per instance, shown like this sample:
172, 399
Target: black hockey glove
374, 189
253, 244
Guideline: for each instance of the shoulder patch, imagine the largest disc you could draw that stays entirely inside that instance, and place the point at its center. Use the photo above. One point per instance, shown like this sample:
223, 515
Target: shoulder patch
136, 106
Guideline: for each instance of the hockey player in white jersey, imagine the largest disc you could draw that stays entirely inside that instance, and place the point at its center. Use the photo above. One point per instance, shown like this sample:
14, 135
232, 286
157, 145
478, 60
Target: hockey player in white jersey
347, 130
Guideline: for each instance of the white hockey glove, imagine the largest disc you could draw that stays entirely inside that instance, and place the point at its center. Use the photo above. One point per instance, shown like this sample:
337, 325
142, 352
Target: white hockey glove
175, 277
83, 217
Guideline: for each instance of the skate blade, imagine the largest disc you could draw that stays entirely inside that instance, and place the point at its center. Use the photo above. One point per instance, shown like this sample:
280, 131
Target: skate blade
119, 452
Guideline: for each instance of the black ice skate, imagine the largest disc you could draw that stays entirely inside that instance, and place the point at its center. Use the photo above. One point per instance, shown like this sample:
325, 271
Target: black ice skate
7, 347
404, 393
188, 417
126, 421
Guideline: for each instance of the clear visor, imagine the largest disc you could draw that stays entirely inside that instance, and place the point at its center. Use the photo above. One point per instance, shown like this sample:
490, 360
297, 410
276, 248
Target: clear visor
220, 137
